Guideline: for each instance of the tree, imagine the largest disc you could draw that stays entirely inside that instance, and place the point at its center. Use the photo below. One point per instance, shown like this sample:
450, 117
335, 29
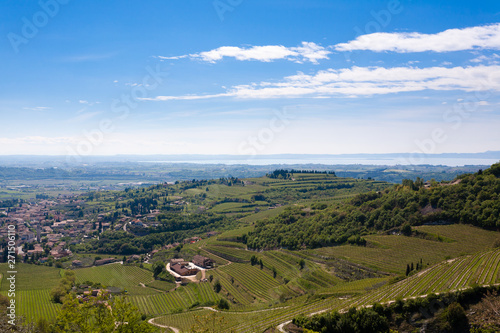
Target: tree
302, 263
261, 264
217, 286
65, 284
407, 269
406, 229
496, 243
274, 272
158, 268
223, 304
457, 318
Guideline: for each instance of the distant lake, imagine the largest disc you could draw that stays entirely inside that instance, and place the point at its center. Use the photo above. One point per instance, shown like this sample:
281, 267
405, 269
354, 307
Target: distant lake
341, 160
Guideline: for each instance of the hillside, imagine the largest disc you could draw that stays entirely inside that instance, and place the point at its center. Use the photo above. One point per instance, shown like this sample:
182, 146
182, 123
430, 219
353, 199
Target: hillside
283, 245
469, 199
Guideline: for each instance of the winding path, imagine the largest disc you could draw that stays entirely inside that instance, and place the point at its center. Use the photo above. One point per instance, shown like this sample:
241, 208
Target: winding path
175, 330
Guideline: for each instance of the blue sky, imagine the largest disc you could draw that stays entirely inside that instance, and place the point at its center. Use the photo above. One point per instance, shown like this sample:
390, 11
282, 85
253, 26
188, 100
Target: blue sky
249, 77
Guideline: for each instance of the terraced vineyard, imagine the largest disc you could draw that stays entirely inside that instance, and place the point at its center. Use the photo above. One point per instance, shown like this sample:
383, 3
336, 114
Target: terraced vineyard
235, 291
391, 253
282, 264
255, 280
482, 268
231, 254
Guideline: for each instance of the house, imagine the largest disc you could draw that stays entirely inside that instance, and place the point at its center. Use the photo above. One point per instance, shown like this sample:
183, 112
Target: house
76, 263
58, 254
203, 261
183, 270
104, 261
192, 240
133, 258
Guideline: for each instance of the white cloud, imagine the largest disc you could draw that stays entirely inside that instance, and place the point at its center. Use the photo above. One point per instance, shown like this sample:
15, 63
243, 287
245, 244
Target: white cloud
363, 81
480, 37
483, 103
307, 52
491, 60
82, 101
37, 108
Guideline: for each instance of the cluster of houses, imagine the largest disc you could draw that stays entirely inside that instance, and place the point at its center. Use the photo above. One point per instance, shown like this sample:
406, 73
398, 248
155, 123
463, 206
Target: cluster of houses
41, 221
40, 227
86, 293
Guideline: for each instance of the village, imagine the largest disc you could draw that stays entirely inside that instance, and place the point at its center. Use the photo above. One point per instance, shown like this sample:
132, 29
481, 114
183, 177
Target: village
46, 233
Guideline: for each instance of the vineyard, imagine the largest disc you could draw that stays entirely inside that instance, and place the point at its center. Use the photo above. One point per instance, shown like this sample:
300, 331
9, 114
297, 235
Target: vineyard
231, 254
115, 275
482, 268
255, 280
192, 295
391, 253
36, 304
33, 285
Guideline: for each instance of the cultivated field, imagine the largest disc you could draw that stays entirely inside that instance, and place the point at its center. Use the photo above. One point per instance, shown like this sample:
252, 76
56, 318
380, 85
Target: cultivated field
391, 253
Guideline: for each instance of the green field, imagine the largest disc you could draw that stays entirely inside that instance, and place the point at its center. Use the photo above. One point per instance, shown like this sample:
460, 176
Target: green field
31, 277
391, 253
115, 275
193, 294
33, 285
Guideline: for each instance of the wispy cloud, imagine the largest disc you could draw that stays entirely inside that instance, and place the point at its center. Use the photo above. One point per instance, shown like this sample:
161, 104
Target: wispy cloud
89, 57
480, 37
82, 101
492, 59
37, 108
307, 52
37, 140
363, 81
83, 116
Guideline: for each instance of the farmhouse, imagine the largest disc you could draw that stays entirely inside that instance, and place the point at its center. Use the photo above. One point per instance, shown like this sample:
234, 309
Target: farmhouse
183, 270
76, 263
203, 261
104, 261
